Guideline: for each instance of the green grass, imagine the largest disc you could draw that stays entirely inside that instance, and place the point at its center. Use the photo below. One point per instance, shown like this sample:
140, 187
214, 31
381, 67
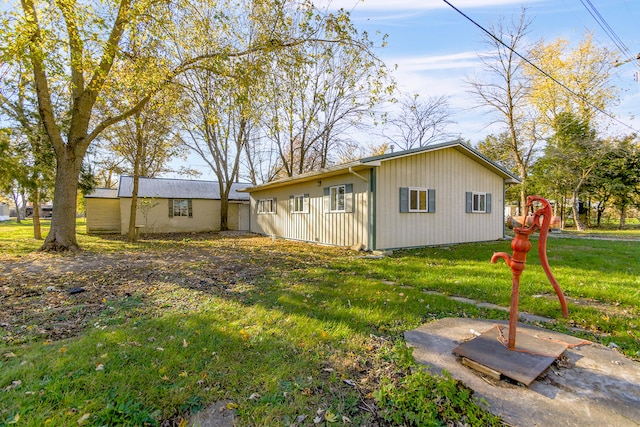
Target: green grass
289, 342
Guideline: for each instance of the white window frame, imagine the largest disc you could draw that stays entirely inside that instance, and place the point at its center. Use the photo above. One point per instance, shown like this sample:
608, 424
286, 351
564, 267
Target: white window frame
299, 203
478, 202
180, 208
335, 197
418, 191
265, 206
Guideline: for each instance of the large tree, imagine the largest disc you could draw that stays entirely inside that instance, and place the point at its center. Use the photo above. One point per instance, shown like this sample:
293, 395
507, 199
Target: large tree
146, 141
504, 91
419, 122
315, 92
73, 46
571, 157
218, 124
617, 177
577, 79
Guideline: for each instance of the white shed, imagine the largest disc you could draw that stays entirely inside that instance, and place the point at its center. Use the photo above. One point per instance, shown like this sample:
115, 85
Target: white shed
439, 194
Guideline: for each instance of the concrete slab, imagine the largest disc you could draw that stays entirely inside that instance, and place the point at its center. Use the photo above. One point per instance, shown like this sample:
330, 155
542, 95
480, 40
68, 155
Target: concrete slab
591, 385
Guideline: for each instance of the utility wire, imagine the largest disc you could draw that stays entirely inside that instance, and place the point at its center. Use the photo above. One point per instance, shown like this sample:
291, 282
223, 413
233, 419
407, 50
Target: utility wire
540, 70
595, 14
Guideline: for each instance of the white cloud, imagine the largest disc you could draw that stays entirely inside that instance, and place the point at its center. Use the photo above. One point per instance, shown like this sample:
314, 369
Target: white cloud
459, 60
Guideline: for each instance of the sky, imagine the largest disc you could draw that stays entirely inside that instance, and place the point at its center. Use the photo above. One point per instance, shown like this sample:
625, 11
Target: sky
436, 49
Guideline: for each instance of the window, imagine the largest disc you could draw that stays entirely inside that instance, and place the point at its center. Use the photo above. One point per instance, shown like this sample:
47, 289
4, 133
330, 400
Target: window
478, 202
417, 199
266, 206
338, 198
180, 207
299, 203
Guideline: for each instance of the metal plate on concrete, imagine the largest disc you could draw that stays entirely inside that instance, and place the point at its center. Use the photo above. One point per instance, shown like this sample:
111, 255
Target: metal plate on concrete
530, 358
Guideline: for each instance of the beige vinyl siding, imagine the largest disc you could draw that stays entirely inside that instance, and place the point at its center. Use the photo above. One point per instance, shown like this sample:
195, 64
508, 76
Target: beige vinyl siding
333, 228
238, 216
103, 215
451, 174
206, 217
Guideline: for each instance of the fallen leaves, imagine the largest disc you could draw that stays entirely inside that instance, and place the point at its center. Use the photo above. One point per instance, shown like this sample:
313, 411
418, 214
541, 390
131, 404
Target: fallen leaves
14, 384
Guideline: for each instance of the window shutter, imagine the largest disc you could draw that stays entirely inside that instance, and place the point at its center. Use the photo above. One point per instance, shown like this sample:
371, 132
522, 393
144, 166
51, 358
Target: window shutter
468, 202
487, 202
190, 207
325, 199
292, 204
305, 203
348, 198
170, 208
275, 205
431, 200
404, 199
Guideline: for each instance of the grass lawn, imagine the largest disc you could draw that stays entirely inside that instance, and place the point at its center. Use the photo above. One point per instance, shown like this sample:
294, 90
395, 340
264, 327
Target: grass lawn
285, 333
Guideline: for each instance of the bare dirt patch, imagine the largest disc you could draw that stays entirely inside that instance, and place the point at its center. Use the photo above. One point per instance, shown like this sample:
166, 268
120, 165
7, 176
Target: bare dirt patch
51, 296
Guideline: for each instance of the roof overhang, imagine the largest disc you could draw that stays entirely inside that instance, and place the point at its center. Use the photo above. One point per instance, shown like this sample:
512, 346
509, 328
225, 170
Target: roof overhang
345, 168
375, 161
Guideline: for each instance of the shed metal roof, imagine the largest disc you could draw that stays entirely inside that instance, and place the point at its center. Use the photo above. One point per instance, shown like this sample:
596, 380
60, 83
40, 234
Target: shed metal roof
371, 162
168, 188
103, 193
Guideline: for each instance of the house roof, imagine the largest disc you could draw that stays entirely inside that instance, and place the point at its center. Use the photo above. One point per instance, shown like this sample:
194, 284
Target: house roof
168, 188
103, 193
371, 162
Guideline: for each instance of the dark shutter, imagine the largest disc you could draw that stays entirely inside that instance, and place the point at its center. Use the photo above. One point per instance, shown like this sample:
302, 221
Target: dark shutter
487, 202
326, 195
468, 202
404, 199
292, 204
275, 205
190, 207
431, 200
348, 198
170, 208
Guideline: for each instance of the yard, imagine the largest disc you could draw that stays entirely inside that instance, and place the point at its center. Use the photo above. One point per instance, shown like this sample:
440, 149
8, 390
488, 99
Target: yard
282, 333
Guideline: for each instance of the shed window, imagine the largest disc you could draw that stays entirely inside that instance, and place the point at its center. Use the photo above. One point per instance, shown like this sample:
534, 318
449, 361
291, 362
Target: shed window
180, 207
338, 198
478, 202
300, 203
266, 206
417, 199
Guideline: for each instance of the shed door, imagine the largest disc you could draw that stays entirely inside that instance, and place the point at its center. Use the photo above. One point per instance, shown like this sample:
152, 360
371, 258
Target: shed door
243, 217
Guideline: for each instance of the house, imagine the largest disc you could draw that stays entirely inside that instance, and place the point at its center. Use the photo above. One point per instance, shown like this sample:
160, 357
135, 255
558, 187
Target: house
439, 194
165, 206
4, 211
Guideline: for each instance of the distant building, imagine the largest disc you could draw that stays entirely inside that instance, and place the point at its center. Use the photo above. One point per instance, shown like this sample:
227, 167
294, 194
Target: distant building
165, 206
4, 211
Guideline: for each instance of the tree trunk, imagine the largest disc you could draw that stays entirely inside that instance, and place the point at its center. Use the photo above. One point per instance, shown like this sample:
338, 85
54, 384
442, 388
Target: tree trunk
132, 235
137, 160
16, 202
224, 213
623, 217
576, 213
37, 232
600, 211
62, 236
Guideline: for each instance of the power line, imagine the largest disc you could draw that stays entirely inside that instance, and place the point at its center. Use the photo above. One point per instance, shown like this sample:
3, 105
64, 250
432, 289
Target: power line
540, 70
595, 14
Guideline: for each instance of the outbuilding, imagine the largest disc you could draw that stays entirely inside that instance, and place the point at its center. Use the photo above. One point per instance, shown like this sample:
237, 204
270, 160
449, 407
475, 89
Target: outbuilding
166, 206
439, 194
